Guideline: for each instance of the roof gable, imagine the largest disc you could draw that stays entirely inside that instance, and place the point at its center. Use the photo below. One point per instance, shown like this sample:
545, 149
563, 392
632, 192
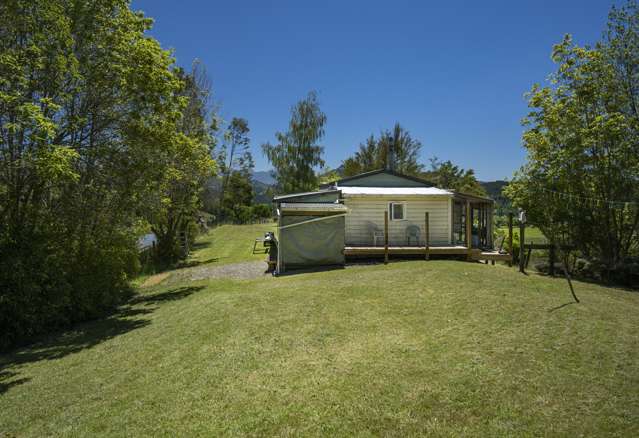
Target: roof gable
382, 178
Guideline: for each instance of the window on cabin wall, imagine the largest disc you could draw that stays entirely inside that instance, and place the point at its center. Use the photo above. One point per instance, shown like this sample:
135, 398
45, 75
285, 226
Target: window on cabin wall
397, 211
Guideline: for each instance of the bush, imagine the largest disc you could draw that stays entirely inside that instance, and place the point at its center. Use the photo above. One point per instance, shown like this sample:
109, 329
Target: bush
262, 211
48, 283
625, 273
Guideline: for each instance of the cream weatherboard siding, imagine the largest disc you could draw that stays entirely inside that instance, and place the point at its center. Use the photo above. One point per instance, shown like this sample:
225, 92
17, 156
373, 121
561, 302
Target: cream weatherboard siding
366, 212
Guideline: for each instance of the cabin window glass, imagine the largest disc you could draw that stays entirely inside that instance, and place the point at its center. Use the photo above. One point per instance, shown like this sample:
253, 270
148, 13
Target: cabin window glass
398, 211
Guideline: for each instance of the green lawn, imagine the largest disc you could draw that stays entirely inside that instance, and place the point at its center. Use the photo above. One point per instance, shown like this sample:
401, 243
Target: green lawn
532, 234
442, 348
230, 244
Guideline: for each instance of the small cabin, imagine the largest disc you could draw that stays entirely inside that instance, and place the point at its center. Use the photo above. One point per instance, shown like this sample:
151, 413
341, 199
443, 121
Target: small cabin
382, 213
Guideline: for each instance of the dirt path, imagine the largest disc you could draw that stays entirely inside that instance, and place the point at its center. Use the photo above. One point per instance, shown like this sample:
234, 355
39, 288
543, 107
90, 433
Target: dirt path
235, 271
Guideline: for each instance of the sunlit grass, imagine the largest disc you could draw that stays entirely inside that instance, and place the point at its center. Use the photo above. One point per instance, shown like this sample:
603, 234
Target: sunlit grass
442, 348
230, 244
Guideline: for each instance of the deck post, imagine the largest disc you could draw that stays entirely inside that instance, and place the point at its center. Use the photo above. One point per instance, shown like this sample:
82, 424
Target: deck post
510, 238
522, 249
469, 230
491, 224
386, 237
426, 237
551, 262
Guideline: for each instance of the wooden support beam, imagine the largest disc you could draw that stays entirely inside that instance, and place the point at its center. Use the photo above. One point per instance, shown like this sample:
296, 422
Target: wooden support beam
481, 230
522, 247
426, 236
386, 237
469, 229
510, 237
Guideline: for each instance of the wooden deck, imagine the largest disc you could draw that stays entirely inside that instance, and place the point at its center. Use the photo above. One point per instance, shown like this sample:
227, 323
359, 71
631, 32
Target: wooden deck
475, 253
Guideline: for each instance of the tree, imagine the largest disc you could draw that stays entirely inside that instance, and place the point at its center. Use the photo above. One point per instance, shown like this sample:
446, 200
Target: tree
327, 175
297, 154
236, 169
89, 107
580, 182
367, 158
189, 166
447, 175
395, 150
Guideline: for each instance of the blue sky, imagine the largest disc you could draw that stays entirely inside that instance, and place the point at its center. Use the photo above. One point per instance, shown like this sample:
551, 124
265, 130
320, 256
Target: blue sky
453, 73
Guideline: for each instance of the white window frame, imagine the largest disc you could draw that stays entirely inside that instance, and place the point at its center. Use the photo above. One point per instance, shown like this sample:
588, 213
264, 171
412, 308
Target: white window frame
404, 210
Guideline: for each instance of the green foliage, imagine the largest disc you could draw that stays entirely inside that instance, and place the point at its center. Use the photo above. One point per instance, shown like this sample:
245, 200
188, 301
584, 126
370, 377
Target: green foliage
582, 140
449, 176
91, 140
246, 214
297, 153
174, 207
394, 149
262, 211
327, 175
495, 191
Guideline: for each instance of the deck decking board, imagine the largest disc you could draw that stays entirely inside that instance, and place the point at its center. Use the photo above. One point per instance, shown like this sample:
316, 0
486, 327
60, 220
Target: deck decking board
475, 253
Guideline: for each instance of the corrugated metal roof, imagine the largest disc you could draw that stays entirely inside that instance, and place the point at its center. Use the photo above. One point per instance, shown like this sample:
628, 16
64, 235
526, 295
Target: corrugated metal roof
394, 191
312, 206
300, 195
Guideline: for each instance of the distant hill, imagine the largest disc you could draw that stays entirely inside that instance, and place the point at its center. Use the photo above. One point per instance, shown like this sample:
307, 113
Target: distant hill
264, 177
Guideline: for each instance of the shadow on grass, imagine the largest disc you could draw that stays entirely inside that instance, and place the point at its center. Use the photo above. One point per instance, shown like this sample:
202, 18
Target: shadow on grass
561, 306
8, 380
201, 244
308, 270
170, 295
193, 263
86, 335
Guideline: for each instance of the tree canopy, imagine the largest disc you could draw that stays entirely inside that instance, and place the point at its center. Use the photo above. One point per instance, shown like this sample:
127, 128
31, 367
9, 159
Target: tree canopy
394, 149
581, 180
93, 138
297, 153
446, 175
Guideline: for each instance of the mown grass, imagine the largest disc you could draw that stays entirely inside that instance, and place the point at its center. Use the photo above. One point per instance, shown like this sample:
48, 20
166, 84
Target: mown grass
230, 244
531, 235
440, 348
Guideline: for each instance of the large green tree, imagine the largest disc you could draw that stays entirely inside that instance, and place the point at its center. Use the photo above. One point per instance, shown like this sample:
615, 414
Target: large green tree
394, 149
89, 108
236, 168
178, 200
447, 175
297, 153
581, 181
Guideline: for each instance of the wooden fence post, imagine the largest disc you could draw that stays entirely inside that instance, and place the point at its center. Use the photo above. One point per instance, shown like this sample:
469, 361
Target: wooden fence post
551, 265
426, 237
386, 237
469, 230
510, 238
522, 255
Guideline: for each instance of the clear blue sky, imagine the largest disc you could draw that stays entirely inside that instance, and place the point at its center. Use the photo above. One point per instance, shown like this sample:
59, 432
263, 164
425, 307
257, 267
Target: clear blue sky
452, 72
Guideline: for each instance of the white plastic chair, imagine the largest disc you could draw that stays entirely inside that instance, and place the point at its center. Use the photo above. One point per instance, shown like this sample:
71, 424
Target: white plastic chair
376, 233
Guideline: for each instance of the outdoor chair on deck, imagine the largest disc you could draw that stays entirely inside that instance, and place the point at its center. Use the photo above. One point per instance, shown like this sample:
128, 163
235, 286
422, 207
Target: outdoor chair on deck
376, 233
412, 232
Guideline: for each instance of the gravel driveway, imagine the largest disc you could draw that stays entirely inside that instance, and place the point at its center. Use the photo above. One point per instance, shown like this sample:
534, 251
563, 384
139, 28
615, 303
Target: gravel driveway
235, 271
